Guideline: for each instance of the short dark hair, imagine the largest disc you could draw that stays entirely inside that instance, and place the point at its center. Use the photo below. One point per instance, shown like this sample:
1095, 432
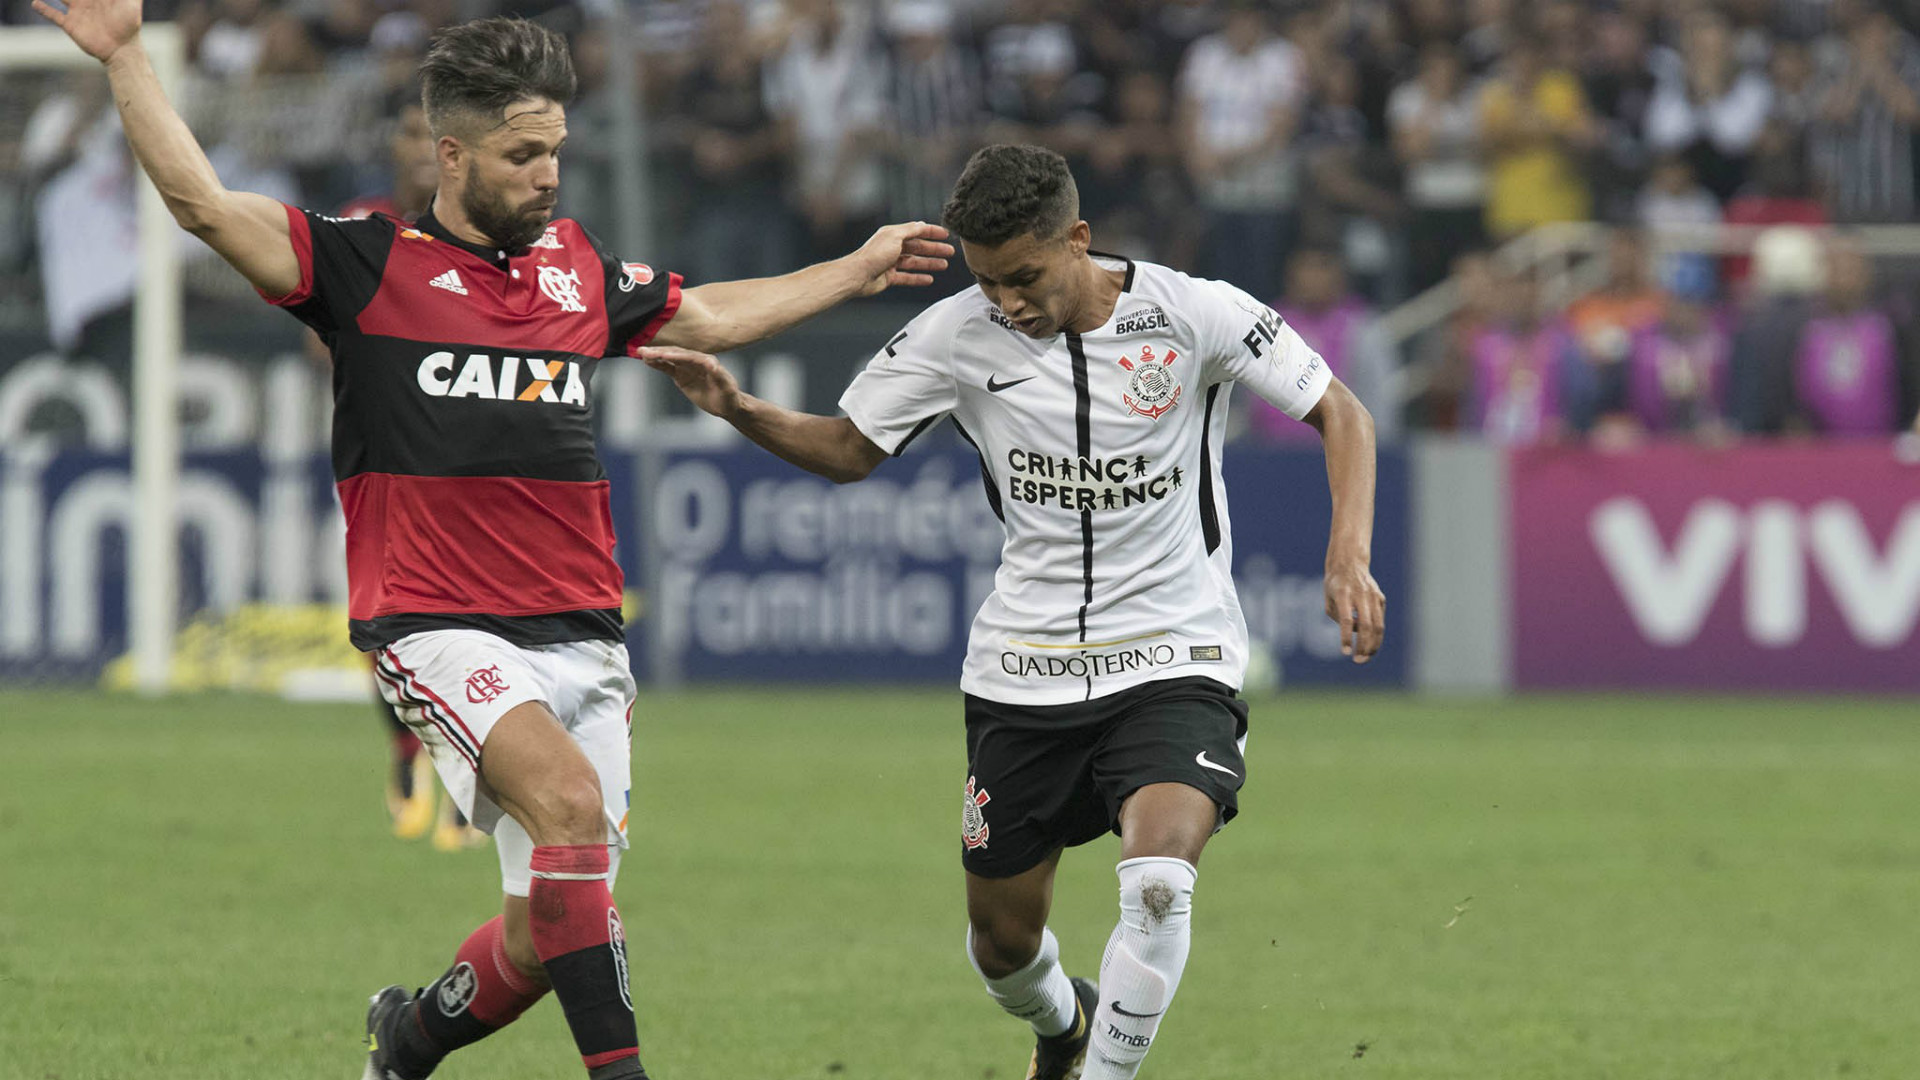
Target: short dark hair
477, 69
1007, 191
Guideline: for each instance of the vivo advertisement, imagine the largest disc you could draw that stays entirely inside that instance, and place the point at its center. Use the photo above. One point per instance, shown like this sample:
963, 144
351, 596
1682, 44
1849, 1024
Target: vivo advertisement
1759, 567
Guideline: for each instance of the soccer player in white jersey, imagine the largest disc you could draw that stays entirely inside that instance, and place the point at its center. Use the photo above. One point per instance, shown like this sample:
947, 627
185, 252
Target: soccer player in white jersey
1101, 674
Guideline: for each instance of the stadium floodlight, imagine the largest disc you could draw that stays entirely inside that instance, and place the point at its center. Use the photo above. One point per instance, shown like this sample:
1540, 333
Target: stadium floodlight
153, 570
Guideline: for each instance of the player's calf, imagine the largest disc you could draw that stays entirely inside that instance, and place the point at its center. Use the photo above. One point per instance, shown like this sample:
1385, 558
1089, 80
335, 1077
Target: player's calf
480, 994
578, 935
1037, 991
1144, 959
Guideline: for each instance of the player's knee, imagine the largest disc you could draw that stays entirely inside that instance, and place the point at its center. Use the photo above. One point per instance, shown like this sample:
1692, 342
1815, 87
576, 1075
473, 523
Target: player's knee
1003, 944
569, 811
1156, 891
1156, 897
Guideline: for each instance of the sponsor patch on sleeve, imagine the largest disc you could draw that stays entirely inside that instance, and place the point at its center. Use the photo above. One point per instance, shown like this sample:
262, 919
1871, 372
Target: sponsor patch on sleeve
1203, 652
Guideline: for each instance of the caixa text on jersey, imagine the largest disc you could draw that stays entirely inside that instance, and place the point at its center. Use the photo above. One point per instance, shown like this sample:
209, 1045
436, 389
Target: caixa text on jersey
507, 378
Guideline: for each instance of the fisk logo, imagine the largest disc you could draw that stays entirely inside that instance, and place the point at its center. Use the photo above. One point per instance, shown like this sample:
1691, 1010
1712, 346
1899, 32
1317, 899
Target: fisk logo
482, 376
1670, 591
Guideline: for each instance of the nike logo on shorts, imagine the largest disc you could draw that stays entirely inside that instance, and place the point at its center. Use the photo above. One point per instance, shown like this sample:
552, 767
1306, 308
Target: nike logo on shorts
994, 386
1201, 759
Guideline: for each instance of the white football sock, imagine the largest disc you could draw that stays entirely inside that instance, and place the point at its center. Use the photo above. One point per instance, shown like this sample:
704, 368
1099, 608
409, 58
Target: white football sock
1039, 993
1145, 956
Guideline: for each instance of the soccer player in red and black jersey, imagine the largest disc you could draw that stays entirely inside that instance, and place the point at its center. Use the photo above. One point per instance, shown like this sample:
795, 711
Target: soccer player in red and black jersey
479, 535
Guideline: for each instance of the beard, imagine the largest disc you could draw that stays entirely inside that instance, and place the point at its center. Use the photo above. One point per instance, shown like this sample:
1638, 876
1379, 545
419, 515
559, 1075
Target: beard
510, 229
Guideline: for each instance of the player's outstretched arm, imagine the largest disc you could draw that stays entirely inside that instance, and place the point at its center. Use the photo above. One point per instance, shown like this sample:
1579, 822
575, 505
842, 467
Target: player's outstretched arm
249, 231
728, 314
830, 446
1354, 599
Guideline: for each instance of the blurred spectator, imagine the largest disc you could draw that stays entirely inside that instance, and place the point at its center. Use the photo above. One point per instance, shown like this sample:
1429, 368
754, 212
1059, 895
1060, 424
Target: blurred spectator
1705, 106
1534, 130
1350, 189
739, 227
1435, 122
1750, 29
1038, 92
826, 87
1863, 132
286, 48
1847, 373
1132, 187
934, 106
1619, 87
1173, 26
1676, 376
1673, 197
1489, 34
396, 45
1240, 93
1796, 93
1605, 322
1433, 22
1338, 325
1777, 192
346, 25
231, 45
1382, 57
1564, 29
1447, 352
1787, 271
415, 170
1520, 366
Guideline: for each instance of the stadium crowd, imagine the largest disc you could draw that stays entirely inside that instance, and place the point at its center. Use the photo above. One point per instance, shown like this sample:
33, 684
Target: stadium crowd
1338, 155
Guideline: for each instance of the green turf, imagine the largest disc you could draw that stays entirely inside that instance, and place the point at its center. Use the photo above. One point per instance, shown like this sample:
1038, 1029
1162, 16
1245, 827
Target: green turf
203, 889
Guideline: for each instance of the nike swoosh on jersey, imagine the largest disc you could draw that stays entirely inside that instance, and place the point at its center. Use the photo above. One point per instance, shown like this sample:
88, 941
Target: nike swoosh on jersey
1201, 759
994, 387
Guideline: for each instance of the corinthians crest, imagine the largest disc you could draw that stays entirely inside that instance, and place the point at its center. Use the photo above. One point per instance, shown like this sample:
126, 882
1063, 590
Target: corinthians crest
1152, 390
973, 818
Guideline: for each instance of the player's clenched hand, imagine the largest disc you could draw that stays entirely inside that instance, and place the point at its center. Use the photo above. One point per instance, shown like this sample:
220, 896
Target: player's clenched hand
902, 255
1354, 600
99, 27
705, 381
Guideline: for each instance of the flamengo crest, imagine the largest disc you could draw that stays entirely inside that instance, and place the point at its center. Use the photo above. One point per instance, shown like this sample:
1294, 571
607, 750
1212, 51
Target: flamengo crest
1153, 390
485, 685
562, 287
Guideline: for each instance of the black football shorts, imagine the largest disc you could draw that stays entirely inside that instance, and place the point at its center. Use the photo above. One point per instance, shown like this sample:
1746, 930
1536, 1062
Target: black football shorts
1042, 777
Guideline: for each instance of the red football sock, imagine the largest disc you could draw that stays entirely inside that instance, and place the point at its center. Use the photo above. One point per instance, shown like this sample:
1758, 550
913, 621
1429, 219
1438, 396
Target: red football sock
480, 994
577, 934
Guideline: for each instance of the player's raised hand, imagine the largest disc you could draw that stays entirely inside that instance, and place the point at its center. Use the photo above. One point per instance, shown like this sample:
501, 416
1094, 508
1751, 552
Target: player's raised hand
99, 27
1354, 600
706, 382
905, 254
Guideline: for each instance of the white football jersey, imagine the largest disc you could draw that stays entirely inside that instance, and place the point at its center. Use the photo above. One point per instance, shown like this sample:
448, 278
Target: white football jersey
1101, 454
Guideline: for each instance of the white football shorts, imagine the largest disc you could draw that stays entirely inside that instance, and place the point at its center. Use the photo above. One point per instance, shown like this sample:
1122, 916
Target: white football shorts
452, 686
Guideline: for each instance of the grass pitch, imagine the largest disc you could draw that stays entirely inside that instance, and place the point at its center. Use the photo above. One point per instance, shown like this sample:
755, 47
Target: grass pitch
1621, 888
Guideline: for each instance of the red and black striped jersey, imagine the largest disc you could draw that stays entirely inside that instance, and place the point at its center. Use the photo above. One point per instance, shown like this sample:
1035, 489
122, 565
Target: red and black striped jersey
462, 431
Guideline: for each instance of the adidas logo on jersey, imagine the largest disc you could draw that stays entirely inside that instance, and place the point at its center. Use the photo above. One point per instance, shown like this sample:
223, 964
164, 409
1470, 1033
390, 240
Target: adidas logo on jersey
451, 282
